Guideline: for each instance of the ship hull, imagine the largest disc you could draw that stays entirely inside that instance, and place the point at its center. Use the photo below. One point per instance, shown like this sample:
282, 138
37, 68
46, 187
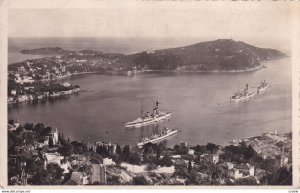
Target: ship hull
262, 90
154, 120
251, 95
158, 139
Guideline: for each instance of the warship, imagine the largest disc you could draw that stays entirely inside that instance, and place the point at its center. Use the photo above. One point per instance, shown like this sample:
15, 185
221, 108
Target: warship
242, 95
157, 137
263, 87
156, 116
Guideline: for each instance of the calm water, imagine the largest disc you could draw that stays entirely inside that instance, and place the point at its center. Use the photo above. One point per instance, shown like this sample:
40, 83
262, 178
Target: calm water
199, 102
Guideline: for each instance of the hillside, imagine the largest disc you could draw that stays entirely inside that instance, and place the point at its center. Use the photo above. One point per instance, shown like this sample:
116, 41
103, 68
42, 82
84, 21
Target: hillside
218, 55
222, 54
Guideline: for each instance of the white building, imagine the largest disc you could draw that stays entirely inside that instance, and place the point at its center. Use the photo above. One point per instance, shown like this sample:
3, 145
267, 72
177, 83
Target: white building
28, 79
242, 171
235, 173
13, 92
55, 137
54, 158
229, 165
108, 162
191, 152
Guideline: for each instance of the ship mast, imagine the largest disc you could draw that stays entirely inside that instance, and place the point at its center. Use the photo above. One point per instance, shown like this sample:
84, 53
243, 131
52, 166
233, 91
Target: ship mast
142, 108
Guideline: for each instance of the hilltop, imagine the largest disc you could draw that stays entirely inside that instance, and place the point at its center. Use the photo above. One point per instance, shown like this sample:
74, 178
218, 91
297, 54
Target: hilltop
222, 54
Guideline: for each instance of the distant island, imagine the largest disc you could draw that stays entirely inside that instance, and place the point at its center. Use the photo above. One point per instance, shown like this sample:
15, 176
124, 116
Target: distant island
219, 55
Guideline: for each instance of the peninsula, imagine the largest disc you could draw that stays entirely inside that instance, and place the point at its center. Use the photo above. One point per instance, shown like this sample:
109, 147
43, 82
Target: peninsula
219, 55
224, 55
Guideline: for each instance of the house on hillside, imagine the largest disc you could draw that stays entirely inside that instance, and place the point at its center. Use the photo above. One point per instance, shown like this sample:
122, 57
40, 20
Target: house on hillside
214, 158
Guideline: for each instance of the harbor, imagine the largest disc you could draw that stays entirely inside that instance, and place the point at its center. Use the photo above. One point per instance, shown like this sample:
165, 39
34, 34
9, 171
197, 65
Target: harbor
199, 105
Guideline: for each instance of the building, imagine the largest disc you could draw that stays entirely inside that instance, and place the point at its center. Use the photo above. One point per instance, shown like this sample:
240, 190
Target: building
78, 178
229, 165
210, 158
165, 170
98, 174
108, 162
235, 173
14, 126
54, 135
21, 69
242, 171
191, 152
246, 170
18, 80
54, 158
92, 147
28, 79
183, 144
283, 160
13, 92
66, 84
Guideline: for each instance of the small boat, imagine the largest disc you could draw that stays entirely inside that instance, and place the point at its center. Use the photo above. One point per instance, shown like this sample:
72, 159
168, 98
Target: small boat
156, 138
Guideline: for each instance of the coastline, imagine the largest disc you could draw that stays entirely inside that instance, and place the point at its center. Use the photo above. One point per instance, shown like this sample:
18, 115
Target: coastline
213, 71
70, 75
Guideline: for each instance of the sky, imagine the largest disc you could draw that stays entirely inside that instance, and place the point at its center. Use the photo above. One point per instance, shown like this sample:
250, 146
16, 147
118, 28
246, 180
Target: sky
252, 22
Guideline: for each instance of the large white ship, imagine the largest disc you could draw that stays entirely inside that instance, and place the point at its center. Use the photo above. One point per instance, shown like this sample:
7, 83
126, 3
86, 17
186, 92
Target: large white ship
157, 137
156, 116
242, 95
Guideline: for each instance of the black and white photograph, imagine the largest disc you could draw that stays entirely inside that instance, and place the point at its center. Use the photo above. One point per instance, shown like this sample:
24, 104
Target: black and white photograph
150, 93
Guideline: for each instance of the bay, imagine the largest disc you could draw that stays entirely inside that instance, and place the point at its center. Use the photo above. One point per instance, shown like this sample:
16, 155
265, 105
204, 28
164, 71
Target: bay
199, 103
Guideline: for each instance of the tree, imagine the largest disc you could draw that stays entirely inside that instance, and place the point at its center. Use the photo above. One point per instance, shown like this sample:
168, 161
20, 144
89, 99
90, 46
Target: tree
139, 180
134, 158
46, 131
50, 142
59, 137
151, 167
246, 181
11, 122
189, 167
166, 161
148, 152
51, 176
200, 149
161, 148
28, 126
126, 152
39, 127
66, 149
118, 150
181, 149
212, 147
249, 152
113, 180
